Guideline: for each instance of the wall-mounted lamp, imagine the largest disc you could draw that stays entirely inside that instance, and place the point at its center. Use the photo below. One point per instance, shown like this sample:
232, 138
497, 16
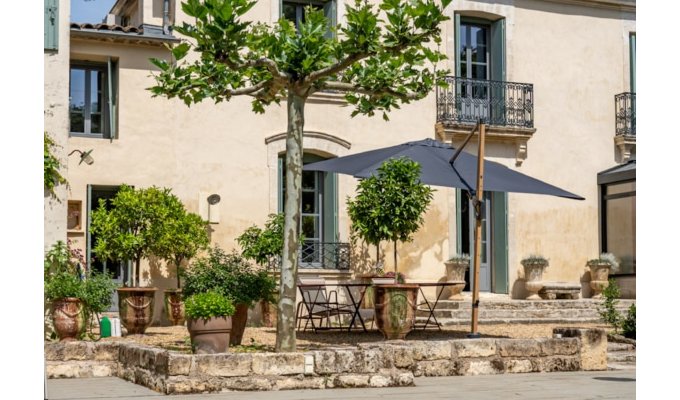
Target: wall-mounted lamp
213, 209
84, 156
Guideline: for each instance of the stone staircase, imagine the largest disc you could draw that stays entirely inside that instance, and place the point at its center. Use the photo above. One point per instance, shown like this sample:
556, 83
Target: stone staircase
511, 311
620, 356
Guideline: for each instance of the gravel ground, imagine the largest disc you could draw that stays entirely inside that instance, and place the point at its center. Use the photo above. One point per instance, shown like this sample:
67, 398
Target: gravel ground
263, 339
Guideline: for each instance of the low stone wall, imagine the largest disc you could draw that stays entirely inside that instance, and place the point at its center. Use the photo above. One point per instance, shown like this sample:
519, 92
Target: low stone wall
391, 363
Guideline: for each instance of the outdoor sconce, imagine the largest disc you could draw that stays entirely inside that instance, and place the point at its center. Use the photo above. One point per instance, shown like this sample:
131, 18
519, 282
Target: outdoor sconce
84, 156
213, 209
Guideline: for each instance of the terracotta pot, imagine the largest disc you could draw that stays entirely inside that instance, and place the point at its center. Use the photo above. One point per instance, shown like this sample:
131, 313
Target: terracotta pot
209, 336
455, 273
68, 318
599, 278
238, 324
174, 306
533, 279
395, 309
135, 306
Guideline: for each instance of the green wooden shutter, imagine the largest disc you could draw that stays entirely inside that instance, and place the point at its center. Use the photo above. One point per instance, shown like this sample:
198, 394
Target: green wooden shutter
499, 224
330, 11
330, 207
456, 39
632, 62
497, 54
459, 222
112, 98
51, 34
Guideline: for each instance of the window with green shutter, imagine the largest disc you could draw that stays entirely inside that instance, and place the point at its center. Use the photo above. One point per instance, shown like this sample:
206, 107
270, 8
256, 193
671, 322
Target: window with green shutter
51, 33
293, 10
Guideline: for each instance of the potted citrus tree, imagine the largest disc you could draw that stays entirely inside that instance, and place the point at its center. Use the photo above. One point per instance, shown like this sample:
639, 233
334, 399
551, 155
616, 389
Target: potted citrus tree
390, 206
209, 322
599, 272
455, 273
232, 276
129, 231
534, 265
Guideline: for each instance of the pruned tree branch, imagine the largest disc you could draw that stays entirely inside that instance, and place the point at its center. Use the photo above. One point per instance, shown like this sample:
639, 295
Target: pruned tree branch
350, 88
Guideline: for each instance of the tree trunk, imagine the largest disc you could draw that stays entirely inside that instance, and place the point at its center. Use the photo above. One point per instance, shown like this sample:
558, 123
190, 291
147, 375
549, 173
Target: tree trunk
285, 320
138, 261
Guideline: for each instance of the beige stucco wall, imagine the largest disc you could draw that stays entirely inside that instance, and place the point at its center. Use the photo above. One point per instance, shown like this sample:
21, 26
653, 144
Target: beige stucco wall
576, 57
56, 77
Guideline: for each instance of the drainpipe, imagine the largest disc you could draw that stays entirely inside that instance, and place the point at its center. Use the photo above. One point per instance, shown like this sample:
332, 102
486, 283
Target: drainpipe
166, 17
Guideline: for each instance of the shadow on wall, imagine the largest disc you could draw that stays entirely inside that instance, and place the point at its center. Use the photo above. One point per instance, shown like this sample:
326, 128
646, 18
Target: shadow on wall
430, 237
155, 276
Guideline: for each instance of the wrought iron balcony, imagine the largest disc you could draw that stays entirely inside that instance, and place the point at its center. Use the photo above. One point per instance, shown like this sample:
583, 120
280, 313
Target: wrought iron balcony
624, 104
498, 103
322, 255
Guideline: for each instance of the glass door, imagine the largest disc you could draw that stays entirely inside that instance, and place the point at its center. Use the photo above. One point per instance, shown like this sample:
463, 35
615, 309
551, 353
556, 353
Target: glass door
311, 218
474, 65
468, 240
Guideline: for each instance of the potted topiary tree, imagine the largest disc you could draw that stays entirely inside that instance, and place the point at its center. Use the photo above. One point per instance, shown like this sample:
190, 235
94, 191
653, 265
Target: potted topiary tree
73, 295
455, 273
209, 322
130, 231
599, 272
534, 265
179, 238
232, 276
390, 206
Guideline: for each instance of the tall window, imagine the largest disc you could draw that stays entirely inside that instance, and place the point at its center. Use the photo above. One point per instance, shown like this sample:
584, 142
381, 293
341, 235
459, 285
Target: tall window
294, 10
618, 220
92, 99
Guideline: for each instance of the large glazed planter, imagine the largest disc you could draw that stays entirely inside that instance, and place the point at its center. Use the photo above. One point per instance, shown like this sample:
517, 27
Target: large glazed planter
599, 277
209, 336
455, 273
174, 306
238, 324
68, 318
395, 309
533, 275
135, 306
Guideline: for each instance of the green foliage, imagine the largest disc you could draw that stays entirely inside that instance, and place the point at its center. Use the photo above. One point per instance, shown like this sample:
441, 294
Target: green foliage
460, 258
390, 205
628, 323
608, 311
260, 245
230, 275
606, 258
534, 259
51, 175
139, 222
207, 305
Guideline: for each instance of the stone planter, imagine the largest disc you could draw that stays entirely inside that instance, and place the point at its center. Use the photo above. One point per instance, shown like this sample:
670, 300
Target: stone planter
135, 306
599, 277
533, 276
238, 324
68, 318
209, 336
455, 273
395, 309
174, 306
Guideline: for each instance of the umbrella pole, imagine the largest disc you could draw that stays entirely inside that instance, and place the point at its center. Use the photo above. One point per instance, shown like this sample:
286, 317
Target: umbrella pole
478, 232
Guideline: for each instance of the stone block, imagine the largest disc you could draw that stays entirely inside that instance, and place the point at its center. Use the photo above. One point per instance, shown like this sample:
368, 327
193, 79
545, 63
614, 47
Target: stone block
324, 362
518, 348
81, 369
351, 380
473, 348
298, 383
179, 364
106, 351
70, 351
371, 361
278, 363
403, 379
593, 346
223, 364
556, 364
402, 356
187, 385
248, 383
379, 381
424, 351
518, 366
435, 368
480, 367
563, 346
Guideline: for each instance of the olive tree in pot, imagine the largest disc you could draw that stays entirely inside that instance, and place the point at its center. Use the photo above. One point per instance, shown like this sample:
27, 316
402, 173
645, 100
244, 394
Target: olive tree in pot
390, 206
209, 322
180, 237
72, 294
232, 276
129, 230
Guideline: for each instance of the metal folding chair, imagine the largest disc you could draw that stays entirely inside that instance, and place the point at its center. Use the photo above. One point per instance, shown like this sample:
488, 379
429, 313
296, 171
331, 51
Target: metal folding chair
318, 305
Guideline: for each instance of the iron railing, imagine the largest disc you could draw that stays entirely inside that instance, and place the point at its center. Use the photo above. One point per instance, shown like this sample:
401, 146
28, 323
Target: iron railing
465, 101
624, 104
323, 255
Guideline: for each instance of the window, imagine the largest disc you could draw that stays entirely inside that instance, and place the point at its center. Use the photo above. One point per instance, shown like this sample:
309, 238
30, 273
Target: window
294, 10
618, 222
92, 104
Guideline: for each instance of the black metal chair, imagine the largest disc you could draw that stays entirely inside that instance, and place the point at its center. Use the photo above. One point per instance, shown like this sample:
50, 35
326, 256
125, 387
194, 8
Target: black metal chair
318, 304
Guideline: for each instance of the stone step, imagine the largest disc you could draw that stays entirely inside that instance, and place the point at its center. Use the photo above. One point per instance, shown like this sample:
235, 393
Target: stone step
509, 304
621, 357
506, 314
616, 347
497, 321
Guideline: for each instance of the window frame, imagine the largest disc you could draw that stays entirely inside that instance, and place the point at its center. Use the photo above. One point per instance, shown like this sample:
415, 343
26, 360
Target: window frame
604, 197
299, 11
89, 66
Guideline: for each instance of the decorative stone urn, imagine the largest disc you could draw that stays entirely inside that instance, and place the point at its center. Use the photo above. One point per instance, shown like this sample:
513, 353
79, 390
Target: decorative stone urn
599, 276
533, 276
209, 336
68, 318
135, 306
174, 306
395, 309
455, 273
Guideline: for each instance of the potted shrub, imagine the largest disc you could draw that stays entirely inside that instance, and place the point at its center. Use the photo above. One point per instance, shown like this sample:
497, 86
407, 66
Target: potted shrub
599, 272
179, 238
533, 275
73, 296
390, 206
455, 273
130, 230
232, 276
209, 322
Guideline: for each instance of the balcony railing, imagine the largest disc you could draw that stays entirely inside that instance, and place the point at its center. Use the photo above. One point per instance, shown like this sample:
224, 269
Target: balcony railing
624, 104
323, 255
498, 103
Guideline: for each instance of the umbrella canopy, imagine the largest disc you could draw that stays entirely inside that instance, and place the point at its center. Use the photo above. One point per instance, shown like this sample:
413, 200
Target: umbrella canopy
433, 157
